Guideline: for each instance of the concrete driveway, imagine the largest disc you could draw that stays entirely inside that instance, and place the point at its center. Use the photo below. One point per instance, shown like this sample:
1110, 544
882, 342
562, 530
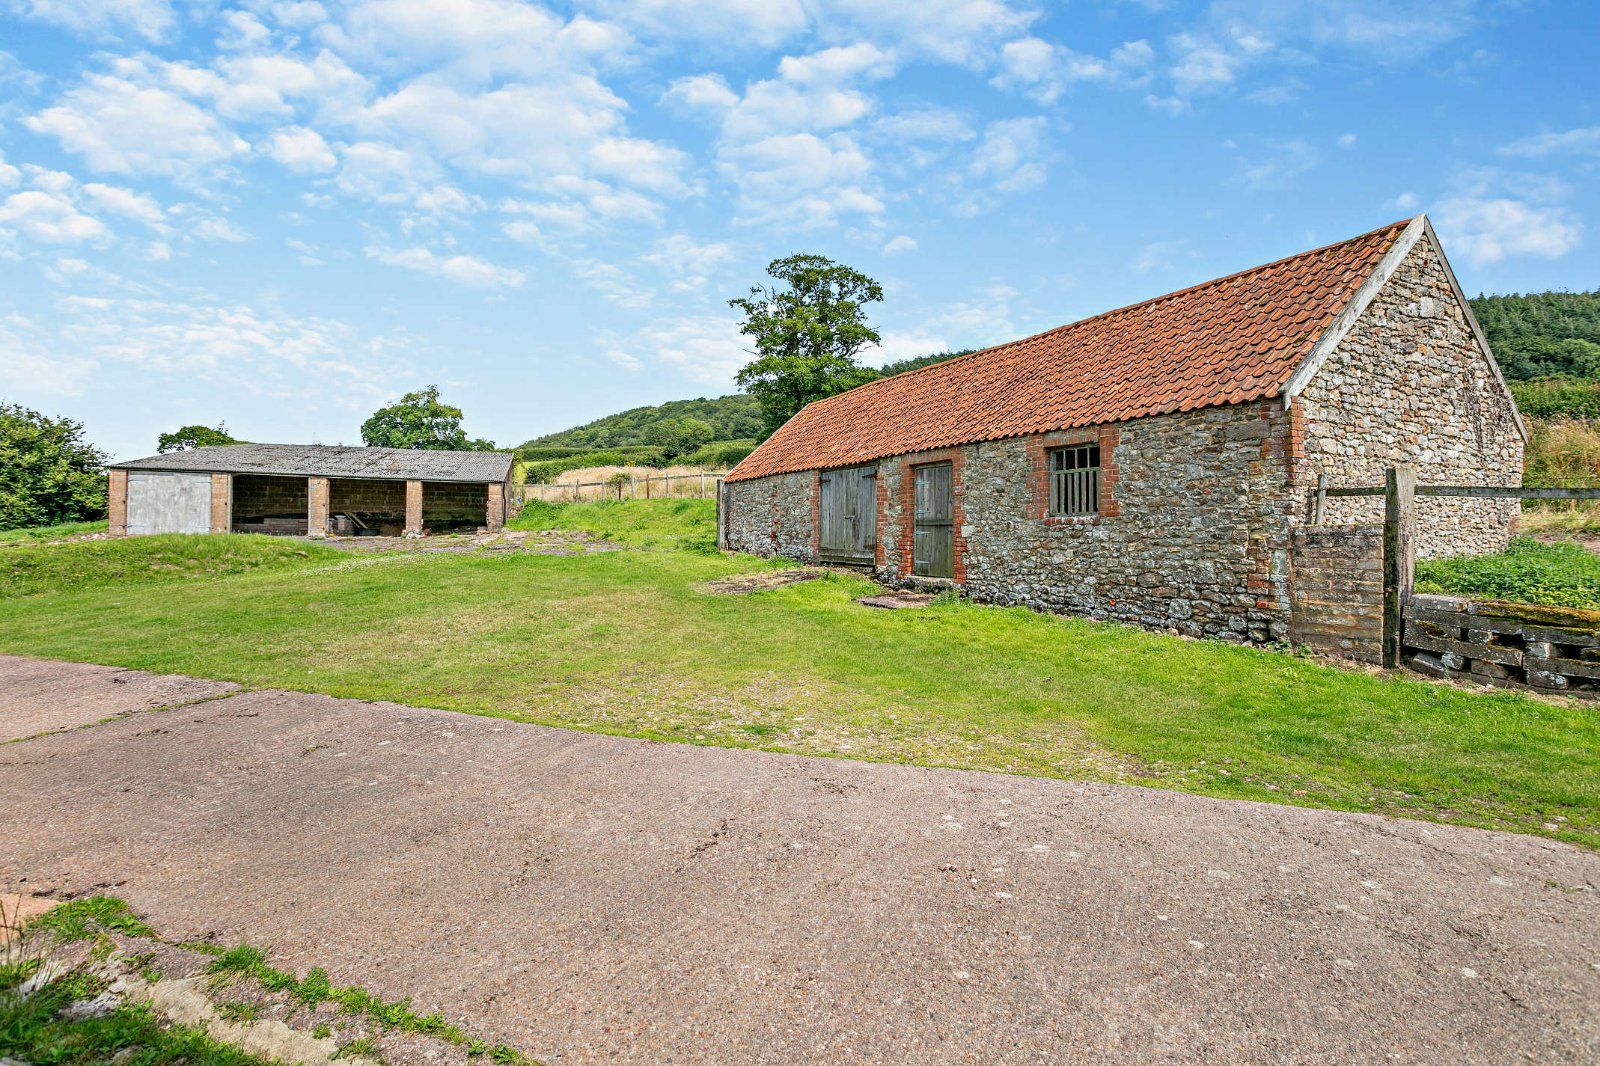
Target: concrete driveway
587, 897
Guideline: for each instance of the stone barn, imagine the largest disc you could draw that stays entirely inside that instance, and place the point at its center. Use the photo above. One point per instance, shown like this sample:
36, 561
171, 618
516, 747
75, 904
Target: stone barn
310, 490
1157, 464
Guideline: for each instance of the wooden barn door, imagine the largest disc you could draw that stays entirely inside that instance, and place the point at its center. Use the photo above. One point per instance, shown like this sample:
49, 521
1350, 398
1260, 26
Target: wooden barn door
933, 553
849, 516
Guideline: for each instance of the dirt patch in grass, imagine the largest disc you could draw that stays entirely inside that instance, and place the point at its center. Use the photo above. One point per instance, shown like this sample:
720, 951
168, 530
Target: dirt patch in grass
744, 584
541, 542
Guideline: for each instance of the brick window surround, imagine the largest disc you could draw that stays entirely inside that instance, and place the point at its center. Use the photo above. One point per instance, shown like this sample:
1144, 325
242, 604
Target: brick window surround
1039, 448
908, 509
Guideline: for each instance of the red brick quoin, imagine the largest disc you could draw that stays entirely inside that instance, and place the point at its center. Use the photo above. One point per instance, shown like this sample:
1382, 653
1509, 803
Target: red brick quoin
908, 509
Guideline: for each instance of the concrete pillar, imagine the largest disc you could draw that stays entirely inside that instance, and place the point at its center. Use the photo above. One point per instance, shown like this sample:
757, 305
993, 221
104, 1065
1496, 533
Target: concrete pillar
413, 508
495, 520
117, 502
221, 503
317, 506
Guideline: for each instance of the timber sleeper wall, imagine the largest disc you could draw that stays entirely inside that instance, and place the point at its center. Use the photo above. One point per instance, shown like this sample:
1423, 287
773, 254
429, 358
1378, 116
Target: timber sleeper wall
1512, 645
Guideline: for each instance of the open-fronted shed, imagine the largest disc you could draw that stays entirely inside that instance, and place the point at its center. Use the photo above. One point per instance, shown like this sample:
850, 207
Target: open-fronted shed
310, 488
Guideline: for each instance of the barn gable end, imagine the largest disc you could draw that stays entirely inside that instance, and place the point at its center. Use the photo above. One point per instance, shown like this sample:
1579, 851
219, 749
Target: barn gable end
1412, 381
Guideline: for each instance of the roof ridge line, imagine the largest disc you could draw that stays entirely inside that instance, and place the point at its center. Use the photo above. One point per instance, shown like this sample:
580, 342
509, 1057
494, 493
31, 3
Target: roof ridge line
1401, 224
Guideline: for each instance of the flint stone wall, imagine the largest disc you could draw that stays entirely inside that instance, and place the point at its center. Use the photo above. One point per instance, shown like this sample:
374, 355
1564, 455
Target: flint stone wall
771, 515
1200, 545
1409, 385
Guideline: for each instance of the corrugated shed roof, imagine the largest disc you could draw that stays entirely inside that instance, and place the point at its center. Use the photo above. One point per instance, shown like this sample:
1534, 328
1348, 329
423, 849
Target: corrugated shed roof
1225, 341
326, 460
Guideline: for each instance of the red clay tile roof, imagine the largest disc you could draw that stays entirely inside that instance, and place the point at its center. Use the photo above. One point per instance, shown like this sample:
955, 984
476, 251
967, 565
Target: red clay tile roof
1226, 341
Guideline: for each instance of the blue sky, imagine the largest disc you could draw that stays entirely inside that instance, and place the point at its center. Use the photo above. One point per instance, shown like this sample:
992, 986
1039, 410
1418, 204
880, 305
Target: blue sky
281, 213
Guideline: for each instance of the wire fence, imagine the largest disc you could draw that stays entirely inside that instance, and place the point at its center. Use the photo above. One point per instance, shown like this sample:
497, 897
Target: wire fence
701, 486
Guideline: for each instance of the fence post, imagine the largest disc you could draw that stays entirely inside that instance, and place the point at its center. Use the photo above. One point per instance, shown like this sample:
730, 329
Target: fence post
1399, 555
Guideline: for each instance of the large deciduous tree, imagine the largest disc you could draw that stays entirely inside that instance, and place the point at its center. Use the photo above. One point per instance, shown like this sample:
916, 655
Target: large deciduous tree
419, 421
181, 440
808, 331
48, 472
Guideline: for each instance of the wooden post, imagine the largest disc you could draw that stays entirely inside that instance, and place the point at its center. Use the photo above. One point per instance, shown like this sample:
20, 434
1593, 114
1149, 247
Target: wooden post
317, 507
1320, 506
413, 509
647, 486
1399, 555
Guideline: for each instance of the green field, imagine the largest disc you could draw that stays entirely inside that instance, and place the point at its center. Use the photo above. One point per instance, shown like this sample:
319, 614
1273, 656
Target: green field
631, 642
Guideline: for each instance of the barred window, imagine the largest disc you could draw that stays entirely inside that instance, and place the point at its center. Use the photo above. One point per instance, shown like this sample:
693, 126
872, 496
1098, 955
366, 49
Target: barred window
1075, 480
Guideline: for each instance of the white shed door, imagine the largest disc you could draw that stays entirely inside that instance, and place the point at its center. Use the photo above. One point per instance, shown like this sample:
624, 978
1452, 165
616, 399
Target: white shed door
164, 502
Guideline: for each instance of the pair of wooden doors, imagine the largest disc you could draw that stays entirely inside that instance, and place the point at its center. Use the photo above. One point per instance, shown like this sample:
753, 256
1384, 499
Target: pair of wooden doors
848, 516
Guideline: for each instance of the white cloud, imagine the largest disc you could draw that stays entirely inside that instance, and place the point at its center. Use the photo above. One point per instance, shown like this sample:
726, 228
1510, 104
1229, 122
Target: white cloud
1347, 141
1010, 155
686, 263
150, 19
49, 217
1044, 70
899, 245
896, 346
801, 179
703, 348
1280, 167
953, 31
135, 205
939, 125
31, 365
1160, 255
1406, 201
1584, 140
728, 23
301, 149
217, 228
119, 122
478, 40
466, 269
1487, 230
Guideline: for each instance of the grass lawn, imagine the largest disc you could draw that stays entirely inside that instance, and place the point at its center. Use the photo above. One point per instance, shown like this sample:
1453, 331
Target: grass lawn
38, 533
28, 569
1562, 574
685, 524
632, 643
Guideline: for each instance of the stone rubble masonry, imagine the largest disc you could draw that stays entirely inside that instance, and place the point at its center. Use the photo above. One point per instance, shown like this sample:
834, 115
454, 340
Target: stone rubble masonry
317, 507
221, 502
1410, 385
117, 502
1199, 529
1336, 590
773, 515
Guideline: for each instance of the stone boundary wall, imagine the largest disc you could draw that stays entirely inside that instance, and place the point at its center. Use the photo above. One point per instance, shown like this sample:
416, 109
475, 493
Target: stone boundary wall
1336, 590
1512, 645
